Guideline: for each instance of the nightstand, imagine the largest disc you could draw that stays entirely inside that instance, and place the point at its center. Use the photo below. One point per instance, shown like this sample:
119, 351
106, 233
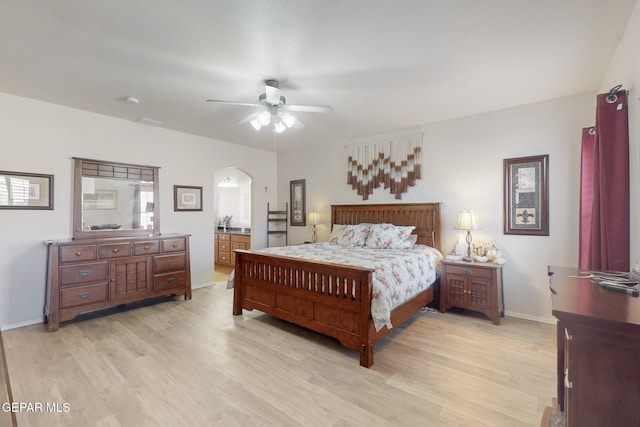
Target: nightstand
473, 286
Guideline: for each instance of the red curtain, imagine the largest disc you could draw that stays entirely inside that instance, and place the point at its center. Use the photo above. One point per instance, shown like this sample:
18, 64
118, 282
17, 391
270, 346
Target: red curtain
604, 187
586, 194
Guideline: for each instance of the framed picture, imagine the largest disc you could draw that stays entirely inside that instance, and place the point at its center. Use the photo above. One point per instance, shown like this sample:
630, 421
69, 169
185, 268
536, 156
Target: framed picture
187, 198
26, 190
298, 209
526, 195
100, 199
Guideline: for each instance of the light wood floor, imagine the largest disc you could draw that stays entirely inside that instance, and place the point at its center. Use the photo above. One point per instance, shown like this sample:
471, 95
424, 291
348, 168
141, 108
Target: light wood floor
193, 363
221, 273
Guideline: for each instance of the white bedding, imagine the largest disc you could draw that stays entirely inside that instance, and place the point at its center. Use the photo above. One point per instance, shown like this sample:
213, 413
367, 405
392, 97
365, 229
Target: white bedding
399, 274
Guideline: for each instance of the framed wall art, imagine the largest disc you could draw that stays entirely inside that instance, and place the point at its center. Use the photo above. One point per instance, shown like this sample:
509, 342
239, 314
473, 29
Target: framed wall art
100, 199
25, 190
297, 204
526, 195
187, 198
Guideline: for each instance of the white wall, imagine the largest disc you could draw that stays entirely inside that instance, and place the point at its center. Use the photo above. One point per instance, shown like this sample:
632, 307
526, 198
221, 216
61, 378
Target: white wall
463, 170
231, 202
39, 137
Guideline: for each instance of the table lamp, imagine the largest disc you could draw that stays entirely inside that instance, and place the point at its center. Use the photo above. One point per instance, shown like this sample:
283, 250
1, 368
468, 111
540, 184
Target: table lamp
468, 220
314, 218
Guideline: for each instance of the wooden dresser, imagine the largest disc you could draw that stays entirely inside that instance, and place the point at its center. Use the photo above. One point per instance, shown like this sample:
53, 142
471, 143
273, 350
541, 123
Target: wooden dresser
90, 274
598, 351
226, 243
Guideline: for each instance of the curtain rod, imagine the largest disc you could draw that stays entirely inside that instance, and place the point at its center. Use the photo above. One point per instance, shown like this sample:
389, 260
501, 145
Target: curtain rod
612, 97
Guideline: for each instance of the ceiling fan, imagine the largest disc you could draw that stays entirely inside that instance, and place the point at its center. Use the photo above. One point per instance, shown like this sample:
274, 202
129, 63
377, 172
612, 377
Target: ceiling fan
273, 108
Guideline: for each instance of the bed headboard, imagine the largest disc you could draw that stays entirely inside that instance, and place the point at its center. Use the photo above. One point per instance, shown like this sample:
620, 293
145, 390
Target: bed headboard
425, 217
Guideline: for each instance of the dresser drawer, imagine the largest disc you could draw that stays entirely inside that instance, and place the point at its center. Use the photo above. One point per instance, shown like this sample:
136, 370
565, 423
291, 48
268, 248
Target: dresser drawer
114, 250
165, 263
480, 273
84, 295
224, 237
173, 245
143, 248
77, 253
83, 273
224, 258
163, 282
224, 246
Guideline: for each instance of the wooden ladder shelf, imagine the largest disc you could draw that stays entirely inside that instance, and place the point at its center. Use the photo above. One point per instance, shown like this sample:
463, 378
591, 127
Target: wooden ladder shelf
277, 224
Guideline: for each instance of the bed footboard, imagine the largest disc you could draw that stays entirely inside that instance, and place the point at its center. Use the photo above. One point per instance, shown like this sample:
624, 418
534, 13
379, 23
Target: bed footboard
332, 299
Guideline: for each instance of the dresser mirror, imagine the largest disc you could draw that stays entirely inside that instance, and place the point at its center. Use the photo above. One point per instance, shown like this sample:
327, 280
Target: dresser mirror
114, 199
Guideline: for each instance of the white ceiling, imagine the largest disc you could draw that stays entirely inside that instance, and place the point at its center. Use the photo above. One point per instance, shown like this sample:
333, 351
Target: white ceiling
383, 65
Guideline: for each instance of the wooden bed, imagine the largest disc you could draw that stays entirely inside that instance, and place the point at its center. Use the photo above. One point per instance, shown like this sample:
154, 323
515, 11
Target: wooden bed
293, 289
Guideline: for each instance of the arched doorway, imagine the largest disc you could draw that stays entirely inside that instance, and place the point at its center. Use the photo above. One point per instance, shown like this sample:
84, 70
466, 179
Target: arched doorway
234, 218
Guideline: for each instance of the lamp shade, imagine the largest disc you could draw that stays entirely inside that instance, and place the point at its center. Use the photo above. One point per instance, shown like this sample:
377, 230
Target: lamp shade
468, 220
314, 218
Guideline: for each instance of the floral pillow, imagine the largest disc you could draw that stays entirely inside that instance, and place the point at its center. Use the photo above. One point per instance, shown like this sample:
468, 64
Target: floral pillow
353, 235
389, 236
335, 232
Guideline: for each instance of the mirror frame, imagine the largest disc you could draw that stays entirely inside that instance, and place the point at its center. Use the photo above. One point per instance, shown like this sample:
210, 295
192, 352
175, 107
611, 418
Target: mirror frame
123, 171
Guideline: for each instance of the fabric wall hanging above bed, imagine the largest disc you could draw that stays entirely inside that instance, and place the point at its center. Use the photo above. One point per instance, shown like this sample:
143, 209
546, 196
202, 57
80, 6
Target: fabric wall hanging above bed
394, 164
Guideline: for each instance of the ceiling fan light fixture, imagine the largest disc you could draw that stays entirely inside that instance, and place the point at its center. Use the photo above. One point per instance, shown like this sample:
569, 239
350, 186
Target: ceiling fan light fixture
288, 119
272, 111
279, 127
264, 118
256, 125
227, 183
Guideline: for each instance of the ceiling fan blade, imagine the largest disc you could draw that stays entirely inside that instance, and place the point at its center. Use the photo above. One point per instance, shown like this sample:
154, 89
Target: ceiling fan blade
298, 124
249, 118
242, 104
273, 94
311, 108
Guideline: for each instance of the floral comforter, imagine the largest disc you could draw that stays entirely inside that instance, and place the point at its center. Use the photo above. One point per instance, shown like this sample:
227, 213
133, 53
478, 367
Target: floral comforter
399, 274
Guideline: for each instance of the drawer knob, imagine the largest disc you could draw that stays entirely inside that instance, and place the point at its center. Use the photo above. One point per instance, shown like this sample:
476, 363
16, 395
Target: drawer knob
171, 280
467, 271
85, 295
171, 262
78, 253
175, 245
146, 247
84, 273
116, 250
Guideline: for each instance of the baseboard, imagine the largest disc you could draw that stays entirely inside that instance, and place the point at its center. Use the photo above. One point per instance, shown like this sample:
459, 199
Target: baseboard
21, 324
203, 285
549, 320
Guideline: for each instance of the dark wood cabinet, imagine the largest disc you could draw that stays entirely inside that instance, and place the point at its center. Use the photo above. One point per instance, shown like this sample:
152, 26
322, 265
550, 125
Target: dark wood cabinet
472, 286
97, 273
598, 339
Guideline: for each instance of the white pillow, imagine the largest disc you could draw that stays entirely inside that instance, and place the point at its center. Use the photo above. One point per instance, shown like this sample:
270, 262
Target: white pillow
389, 236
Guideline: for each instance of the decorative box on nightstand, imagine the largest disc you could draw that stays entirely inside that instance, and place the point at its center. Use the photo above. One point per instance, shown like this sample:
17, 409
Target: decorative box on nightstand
473, 286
